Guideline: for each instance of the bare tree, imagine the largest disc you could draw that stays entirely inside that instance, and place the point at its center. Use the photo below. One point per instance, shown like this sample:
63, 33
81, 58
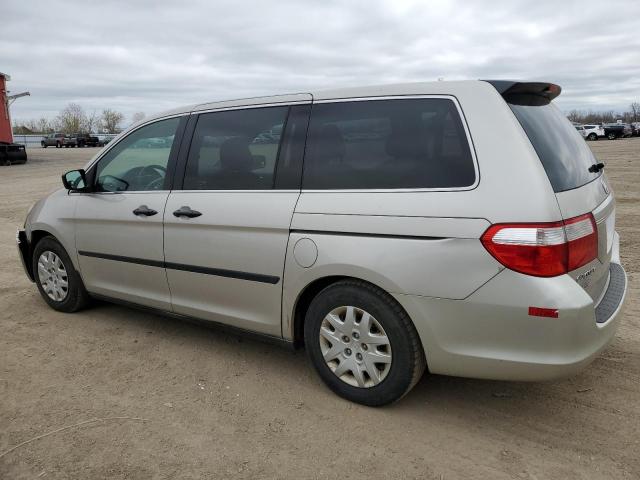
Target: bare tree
575, 116
110, 120
581, 116
92, 122
635, 111
137, 117
43, 125
71, 119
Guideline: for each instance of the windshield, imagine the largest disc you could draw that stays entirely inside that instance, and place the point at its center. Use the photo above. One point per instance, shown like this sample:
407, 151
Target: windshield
563, 152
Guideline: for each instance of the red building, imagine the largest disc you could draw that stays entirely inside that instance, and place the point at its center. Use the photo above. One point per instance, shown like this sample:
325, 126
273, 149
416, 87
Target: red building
5, 121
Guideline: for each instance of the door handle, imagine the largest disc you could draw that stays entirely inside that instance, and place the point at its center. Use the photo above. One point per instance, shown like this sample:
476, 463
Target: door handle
185, 211
144, 210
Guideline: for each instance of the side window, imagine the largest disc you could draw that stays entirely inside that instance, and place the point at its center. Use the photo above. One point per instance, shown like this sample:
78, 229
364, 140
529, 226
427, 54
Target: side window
139, 161
405, 143
235, 149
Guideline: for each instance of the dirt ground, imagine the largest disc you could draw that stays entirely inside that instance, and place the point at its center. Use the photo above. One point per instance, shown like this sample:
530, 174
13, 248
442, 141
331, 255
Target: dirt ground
161, 398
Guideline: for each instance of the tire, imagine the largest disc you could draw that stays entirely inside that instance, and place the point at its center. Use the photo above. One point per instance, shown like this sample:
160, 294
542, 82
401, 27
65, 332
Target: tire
611, 136
404, 358
44, 145
58, 145
4, 160
593, 137
75, 297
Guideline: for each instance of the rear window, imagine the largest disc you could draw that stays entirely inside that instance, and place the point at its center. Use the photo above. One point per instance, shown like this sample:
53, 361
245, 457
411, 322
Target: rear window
387, 144
562, 150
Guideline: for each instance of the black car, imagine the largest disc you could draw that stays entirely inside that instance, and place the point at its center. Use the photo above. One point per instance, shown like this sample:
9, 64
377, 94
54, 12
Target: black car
87, 140
617, 130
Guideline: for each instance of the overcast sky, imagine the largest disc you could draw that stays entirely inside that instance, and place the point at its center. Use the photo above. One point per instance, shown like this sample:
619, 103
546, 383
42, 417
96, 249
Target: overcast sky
153, 55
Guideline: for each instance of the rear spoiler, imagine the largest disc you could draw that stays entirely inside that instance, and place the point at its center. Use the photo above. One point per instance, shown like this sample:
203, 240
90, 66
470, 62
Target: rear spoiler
526, 93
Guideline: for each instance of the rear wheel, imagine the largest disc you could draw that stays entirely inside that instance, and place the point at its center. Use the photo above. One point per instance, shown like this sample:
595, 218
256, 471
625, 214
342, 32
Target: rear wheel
57, 280
58, 145
592, 137
611, 136
44, 145
362, 343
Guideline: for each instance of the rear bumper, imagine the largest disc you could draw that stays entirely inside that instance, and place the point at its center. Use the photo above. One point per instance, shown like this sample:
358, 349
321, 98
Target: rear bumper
24, 252
491, 335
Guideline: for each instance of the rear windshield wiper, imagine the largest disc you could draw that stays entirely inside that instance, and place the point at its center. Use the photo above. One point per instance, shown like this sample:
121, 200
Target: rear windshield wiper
596, 167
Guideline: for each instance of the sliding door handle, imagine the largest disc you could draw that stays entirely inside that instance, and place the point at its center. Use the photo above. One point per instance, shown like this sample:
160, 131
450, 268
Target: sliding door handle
145, 211
186, 212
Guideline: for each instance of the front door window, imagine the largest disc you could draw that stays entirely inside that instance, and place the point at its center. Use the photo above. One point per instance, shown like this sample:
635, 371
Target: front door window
138, 162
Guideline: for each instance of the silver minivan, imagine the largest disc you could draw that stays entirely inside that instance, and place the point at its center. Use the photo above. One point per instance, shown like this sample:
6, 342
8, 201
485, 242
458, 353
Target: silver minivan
460, 227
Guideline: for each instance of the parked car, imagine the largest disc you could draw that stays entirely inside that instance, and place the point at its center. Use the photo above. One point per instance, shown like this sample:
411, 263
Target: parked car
57, 140
86, 140
617, 130
580, 130
428, 242
592, 132
104, 139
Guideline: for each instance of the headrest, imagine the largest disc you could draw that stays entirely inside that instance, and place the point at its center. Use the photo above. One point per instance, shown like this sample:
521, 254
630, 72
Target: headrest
235, 155
405, 143
330, 144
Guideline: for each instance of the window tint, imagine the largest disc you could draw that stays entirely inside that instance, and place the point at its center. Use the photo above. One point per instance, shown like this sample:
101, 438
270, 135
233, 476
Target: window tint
139, 161
235, 149
563, 152
412, 143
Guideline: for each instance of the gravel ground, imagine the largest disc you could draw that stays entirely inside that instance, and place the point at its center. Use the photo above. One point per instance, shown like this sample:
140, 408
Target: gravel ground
151, 397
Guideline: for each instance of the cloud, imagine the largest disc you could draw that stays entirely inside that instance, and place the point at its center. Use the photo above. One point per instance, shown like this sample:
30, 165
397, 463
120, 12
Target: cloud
154, 55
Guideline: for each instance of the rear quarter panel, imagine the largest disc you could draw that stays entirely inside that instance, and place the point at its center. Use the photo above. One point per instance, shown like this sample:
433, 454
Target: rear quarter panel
452, 264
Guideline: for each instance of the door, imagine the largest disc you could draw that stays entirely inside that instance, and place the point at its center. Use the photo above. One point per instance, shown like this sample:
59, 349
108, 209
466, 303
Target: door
119, 225
226, 231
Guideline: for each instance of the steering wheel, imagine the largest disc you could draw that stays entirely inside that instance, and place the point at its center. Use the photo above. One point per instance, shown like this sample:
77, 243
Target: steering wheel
158, 171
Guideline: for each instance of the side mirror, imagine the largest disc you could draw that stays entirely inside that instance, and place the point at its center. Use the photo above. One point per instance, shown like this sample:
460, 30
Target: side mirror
75, 180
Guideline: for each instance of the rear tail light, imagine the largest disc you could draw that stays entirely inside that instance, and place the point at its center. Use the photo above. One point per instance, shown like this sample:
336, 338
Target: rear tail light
544, 249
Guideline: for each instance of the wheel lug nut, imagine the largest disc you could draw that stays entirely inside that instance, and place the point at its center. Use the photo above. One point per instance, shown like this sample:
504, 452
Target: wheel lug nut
359, 356
345, 339
347, 351
356, 335
365, 346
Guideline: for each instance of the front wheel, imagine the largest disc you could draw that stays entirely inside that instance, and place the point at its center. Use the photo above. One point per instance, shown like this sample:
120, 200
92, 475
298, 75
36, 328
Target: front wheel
362, 343
611, 136
44, 145
57, 280
593, 137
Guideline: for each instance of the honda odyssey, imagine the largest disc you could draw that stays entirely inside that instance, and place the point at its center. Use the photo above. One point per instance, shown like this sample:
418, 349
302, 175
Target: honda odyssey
461, 227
